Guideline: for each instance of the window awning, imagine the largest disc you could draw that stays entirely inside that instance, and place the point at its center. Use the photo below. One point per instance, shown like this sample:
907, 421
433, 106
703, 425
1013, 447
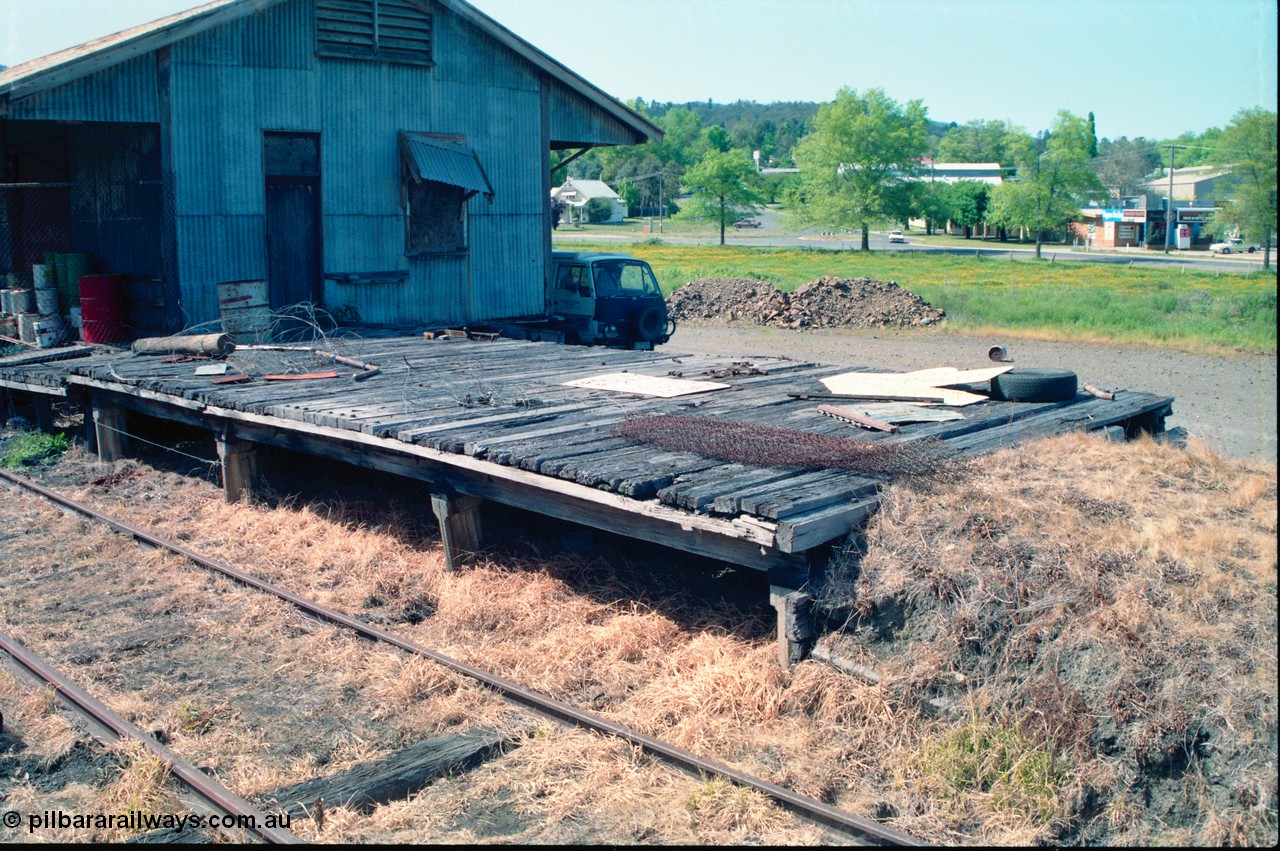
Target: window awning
435, 159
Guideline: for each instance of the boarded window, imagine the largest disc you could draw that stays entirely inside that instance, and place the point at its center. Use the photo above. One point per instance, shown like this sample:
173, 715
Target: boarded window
437, 218
390, 30
439, 174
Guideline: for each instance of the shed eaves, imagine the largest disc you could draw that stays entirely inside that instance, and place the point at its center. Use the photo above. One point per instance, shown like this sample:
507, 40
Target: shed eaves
64, 66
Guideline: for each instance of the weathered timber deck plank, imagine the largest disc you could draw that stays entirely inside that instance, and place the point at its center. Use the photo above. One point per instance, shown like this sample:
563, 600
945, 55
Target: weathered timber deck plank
565, 434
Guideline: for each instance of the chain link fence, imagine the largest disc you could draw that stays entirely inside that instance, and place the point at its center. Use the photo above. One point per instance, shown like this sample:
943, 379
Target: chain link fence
105, 227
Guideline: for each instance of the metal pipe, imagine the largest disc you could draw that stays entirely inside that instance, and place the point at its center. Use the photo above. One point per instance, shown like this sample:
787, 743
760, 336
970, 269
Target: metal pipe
533, 699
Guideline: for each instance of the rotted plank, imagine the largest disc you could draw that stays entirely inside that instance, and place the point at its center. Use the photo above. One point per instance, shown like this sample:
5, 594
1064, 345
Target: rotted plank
638, 466
698, 491
800, 532
823, 488
1091, 415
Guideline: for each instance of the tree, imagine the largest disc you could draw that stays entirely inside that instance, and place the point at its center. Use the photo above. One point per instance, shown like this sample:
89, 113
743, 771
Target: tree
1052, 185
929, 201
716, 137
725, 188
598, 210
982, 142
966, 203
859, 157
1124, 165
1248, 145
681, 138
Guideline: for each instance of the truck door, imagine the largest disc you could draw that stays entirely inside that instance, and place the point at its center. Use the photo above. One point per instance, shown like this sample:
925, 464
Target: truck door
571, 297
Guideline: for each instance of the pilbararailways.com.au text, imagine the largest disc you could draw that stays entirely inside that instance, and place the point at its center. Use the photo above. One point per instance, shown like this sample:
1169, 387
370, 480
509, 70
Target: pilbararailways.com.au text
138, 822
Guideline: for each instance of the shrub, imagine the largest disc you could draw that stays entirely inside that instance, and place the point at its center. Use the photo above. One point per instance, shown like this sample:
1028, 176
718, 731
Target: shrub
32, 447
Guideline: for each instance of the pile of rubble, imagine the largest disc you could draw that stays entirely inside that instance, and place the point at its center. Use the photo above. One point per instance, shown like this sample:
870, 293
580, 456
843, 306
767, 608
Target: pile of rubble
826, 302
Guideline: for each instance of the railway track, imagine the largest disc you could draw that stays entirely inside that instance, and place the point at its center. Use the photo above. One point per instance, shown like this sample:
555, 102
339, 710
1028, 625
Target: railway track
218, 797
856, 828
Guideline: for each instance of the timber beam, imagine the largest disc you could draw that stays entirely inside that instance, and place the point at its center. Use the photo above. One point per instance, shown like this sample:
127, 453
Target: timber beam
794, 606
749, 545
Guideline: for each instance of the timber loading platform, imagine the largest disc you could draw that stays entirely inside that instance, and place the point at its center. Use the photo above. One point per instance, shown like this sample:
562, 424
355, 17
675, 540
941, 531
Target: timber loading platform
494, 420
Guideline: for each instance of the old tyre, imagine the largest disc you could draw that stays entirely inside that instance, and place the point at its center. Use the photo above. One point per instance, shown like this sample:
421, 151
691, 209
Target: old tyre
1034, 385
650, 323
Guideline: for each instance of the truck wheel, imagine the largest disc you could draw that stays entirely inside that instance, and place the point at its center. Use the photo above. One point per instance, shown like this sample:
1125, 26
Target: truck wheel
1034, 385
650, 323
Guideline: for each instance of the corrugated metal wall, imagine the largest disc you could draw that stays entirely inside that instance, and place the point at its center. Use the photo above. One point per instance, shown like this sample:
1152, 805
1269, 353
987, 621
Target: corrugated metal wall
125, 92
222, 106
260, 73
576, 120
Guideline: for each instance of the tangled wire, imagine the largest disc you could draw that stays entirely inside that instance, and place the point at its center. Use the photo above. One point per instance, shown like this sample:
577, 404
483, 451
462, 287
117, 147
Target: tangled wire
771, 446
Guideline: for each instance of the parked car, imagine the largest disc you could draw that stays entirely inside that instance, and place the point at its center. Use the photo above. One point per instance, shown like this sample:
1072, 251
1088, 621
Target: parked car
896, 236
1233, 245
747, 223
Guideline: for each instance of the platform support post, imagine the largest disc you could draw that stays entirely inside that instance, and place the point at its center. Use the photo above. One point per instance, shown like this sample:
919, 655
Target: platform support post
42, 407
794, 607
239, 460
110, 424
459, 517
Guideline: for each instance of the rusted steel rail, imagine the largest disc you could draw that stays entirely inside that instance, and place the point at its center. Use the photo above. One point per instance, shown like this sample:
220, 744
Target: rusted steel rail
216, 795
812, 808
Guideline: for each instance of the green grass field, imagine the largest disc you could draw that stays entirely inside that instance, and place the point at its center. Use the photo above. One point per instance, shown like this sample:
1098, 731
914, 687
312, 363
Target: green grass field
1191, 310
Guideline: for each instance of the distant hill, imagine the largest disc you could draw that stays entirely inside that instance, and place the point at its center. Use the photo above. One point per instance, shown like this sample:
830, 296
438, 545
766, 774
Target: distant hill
771, 127
728, 115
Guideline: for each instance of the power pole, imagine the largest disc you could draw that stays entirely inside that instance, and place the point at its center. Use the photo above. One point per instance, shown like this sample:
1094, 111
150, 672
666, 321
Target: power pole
661, 205
1168, 204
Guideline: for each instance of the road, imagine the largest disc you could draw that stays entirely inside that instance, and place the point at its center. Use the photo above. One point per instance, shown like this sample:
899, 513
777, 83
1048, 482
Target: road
772, 233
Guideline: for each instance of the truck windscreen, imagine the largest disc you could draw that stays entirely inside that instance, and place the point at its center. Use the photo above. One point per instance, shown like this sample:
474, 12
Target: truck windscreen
624, 277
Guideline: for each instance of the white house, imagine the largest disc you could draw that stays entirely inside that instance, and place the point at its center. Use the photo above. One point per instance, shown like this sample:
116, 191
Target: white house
577, 193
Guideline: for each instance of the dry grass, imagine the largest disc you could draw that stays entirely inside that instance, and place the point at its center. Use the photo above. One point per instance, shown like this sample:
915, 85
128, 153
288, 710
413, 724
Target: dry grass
119, 780
1095, 609
1111, 610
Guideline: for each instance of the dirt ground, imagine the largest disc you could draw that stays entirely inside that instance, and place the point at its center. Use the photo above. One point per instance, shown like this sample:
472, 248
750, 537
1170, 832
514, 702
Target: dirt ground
1227, 400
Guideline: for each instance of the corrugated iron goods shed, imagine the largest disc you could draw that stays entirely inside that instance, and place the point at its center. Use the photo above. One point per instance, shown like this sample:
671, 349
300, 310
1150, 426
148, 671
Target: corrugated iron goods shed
515, 423
384, 158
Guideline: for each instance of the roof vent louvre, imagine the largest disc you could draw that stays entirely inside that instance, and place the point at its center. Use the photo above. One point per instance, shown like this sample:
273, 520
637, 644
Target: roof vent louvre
390, 30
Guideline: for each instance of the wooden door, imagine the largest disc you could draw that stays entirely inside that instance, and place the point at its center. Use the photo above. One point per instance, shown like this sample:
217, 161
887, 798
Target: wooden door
291, 162
293, 242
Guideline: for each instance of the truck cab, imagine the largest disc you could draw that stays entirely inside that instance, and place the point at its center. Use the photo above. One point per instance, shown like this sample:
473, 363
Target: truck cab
607, 300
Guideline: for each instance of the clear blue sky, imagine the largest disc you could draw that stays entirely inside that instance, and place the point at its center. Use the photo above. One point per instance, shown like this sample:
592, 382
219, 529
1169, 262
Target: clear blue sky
1151, 68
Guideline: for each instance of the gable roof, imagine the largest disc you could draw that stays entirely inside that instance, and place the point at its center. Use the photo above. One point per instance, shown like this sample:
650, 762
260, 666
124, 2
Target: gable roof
590, 188
65, 66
